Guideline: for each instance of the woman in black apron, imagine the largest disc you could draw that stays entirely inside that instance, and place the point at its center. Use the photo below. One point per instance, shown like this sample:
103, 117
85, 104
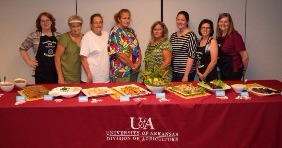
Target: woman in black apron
224, 62
206, 55
43, 42
45, 72
233, 57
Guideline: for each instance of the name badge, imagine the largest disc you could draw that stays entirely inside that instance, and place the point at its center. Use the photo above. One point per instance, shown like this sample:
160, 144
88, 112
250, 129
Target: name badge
124, 98
160, 95
20, 98
244, 94
48, 97
82, 99
220, 93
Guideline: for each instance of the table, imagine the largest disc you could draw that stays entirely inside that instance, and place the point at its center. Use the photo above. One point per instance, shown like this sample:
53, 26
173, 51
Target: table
200, 122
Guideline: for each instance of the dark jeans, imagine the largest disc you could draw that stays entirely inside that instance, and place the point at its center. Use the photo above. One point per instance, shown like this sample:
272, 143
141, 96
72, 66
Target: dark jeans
178, 76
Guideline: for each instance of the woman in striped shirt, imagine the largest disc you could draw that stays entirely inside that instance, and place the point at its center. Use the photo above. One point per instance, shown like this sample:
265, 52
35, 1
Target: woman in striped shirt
184, 45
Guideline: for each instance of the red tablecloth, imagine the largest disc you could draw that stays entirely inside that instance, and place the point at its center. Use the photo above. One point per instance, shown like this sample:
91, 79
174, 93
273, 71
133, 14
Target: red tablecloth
199, 122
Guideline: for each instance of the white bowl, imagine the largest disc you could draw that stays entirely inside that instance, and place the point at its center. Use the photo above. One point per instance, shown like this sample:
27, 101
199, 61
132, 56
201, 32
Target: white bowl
155, 89
69, 94
20, 83
238, 87
7, 86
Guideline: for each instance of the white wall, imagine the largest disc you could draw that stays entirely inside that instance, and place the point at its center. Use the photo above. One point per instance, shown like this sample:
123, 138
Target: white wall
201, 9
17, 20
264, 38
263, 32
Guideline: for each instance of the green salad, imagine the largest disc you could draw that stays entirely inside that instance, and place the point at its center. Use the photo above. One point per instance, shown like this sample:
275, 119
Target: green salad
154, 78
215, 84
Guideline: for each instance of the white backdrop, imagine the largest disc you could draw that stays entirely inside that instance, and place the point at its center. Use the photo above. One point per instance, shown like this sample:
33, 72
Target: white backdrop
263, 32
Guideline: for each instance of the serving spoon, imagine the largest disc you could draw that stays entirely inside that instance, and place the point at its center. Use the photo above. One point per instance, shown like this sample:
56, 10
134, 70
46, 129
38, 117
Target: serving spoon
245, 81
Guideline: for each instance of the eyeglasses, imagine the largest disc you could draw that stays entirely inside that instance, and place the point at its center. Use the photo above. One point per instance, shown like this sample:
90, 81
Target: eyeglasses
45, 21
205, 28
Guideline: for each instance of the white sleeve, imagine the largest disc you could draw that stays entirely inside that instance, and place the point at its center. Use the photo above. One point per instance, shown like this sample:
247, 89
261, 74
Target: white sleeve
84, 46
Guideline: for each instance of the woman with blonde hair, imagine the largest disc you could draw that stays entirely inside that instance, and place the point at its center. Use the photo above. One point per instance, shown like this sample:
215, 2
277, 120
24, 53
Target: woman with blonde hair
67, 58
233, 56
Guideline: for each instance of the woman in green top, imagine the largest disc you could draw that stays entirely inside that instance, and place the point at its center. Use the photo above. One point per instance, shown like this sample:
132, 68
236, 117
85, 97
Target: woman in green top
159, 51
67, 58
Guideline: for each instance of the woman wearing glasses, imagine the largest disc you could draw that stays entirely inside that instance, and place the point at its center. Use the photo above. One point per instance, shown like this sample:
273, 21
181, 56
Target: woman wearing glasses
233, 57
207, 52
43, 42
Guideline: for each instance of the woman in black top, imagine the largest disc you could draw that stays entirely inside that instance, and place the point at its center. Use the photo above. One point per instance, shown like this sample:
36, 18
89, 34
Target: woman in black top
207, 52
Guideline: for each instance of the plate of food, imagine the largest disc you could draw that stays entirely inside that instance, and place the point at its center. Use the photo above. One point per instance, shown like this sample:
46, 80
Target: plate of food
132, 90
97, 91
187, 89
66, 92
264, 91
34, 92
214, 85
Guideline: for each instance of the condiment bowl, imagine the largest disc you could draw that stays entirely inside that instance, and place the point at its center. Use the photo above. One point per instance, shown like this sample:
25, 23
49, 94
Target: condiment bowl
238, 87
20, 83
155, 89
7, 86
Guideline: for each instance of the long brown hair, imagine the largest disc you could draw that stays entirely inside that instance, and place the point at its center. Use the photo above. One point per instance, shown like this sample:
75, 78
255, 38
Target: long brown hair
52, 19
231, 26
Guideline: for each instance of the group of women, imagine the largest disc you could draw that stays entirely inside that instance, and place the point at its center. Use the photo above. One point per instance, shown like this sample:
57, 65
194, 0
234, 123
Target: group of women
98, 56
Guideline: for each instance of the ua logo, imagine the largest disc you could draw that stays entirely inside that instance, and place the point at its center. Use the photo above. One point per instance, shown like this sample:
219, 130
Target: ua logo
141, 123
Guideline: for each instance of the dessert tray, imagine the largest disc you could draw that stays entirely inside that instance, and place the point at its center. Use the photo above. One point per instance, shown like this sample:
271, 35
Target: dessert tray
97, 91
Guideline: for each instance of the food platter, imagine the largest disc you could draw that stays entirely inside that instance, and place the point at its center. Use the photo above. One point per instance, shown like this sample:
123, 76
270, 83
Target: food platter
66, 92
212, 87
97, 91
187, 89
35, 92
131, 90
263, 91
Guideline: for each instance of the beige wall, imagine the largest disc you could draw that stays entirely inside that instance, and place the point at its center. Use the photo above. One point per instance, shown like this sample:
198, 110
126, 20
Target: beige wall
262, 35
